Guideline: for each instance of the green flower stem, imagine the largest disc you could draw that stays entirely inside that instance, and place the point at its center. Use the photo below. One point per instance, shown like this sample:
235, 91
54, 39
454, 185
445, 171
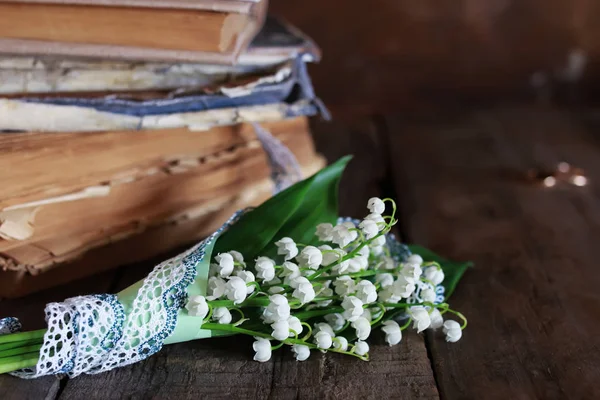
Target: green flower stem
211, 309
262, 302
406, 305
393, 206
281, 285
278, 346
10, 364
383, 310
308, 334
19, 351
317, 313
354, 275
256, 284
343, 328
290, 341
243, 317
406, 325
255, 302
22, 336
459, 315
8, 346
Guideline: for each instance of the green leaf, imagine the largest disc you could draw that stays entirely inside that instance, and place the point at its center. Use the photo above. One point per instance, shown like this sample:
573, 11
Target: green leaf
453, 270
294, 212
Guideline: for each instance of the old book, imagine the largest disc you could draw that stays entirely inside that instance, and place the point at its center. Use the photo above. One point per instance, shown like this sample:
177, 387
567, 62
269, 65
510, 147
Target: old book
276, 43
143, 188
201, 31
286, 87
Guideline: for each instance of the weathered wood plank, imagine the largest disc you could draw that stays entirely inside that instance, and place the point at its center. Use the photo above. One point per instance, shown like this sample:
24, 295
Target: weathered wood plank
532, 299
223, 368
399, 372
30, 311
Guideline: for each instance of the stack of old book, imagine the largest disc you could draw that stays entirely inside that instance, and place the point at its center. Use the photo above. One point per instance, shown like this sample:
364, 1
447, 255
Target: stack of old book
127, 127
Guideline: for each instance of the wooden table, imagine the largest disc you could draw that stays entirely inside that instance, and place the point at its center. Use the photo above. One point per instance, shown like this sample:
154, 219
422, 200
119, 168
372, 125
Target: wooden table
533, 298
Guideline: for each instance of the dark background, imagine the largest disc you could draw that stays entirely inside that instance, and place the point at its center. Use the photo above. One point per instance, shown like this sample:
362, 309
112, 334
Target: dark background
407, 55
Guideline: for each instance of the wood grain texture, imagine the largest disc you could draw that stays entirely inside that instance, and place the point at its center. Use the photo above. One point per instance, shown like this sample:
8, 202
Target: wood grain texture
532, 299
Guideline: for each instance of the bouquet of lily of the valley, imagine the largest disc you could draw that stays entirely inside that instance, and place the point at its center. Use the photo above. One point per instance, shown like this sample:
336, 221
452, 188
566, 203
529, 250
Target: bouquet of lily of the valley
288, 273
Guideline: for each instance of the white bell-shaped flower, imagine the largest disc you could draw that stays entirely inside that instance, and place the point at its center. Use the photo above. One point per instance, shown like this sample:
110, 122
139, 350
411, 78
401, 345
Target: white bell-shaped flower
323, 327
295, 325
324, 232
305, 292
222, 315
353, 308
236, 289
215, 288
281, 330
367, 315
262, 347
341, 268
248, 277
294, 283
265, 268
452, 330
336, 321
369, 228
323, 340
403, 287
436, 319
340, 343
277, 310
310, 257
287, 248
393, 333
411, 271
434, 274
385, 280
414, 259
344, 234
225, 264
197, 306
330, 255
376, 205
344, 285
366, 292
387, 295
364, 252
362, 327
378, 219
326, 292
377, 250
301, 352
387, 263
290, 270
237, 257
420, 317
361, 348
357, 264
377, 242
428, 295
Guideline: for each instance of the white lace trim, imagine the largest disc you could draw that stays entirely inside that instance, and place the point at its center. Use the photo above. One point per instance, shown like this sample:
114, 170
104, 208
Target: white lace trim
92, 334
